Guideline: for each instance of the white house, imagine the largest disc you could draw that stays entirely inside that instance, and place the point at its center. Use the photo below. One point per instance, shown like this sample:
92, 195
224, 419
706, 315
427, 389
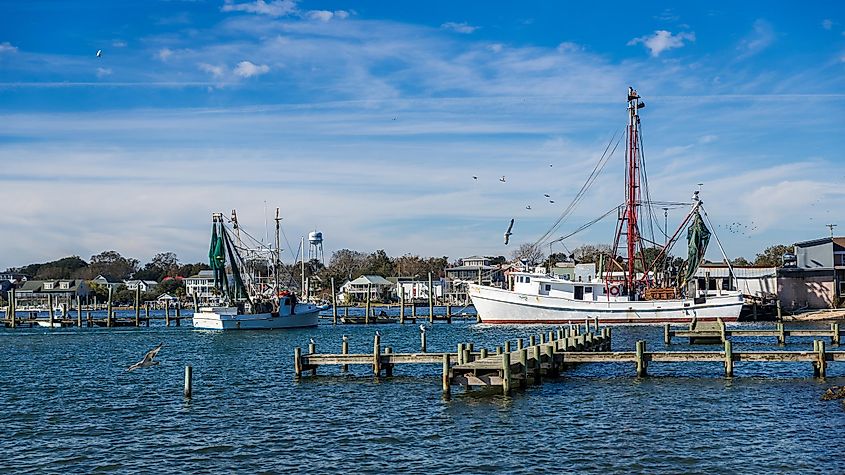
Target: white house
418, 289
357, 289
145, 285
107, 281
201, 284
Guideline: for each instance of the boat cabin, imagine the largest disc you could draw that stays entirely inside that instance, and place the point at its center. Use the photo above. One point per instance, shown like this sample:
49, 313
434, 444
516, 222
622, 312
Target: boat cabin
543, 285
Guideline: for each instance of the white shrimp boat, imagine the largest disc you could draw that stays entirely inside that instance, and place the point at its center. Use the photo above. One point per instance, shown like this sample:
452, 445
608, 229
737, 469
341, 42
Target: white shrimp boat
248, 301
630, 289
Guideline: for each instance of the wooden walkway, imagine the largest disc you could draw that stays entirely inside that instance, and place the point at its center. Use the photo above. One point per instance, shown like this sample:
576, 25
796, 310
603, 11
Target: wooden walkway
717, 332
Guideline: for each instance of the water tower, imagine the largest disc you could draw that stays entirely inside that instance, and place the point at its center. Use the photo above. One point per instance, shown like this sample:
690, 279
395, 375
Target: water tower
315, 246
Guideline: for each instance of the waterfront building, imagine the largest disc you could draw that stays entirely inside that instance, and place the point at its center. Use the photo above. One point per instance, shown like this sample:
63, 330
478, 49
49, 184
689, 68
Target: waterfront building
412, 289
201, 285
107, 281
144, 285
471, 269
35, 292
815, 278
759, 282
356, 290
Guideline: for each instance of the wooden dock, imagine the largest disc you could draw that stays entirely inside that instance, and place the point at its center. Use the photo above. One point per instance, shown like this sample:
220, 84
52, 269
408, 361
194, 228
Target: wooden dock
549, 357
718, 333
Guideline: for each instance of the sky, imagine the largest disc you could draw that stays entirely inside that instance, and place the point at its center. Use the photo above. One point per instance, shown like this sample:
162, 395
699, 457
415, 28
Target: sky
368, 120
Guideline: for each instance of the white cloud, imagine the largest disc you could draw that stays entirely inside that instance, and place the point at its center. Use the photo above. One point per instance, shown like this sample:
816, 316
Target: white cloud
6, 47
246, 69
325, 15
274, 8
118, 44
496, 47
103, 72
462, 27
569, 47
663, 40
214, 70
827, 23
164, 53
760, 38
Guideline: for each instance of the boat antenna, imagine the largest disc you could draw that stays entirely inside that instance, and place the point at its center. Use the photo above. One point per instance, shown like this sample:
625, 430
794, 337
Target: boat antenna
277, 257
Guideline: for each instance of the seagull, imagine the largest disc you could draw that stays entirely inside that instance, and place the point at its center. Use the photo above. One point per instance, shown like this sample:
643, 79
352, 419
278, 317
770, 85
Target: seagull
345, 338
508, 233
528, 207
546, 195
502, 179
311, 340
378, 333
422, 328
148, 359
550, 165
551, 201
474, 177
99, 53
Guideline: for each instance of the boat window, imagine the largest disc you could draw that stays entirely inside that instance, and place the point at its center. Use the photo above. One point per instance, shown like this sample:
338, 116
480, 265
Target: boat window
588, 290
548, 287
527, 280
579, 292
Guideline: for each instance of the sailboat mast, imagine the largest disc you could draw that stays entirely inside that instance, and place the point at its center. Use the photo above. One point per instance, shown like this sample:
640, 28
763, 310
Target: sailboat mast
302, 260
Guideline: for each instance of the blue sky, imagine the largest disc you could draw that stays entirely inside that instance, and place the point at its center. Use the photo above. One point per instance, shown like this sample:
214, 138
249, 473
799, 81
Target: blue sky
367, 120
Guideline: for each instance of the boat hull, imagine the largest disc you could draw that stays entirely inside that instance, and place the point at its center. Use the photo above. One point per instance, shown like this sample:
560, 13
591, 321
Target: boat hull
501, 306
208, 319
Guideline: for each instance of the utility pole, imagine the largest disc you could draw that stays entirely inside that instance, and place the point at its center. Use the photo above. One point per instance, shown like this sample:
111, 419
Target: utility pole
831, 226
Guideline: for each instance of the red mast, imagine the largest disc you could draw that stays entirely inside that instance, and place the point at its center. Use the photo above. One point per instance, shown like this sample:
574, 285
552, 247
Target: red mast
632, 200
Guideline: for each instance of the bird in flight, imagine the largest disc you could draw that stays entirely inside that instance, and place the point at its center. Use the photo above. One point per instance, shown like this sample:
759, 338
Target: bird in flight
508, 232
99, 53
528, 207
551, 201
148, 359
546, 195
502, 179
474, 177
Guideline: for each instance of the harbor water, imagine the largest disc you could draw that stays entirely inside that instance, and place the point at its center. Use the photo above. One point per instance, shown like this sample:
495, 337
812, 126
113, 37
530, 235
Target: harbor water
69, 406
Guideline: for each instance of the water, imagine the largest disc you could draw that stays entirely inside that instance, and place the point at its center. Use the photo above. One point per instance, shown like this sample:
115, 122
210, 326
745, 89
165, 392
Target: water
69, 406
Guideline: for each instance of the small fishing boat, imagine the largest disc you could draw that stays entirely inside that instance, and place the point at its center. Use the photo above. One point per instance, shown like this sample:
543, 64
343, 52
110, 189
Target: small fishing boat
247, 283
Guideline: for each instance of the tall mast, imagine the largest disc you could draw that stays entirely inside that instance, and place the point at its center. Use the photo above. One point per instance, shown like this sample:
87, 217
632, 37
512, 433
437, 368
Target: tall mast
302, 260
277, 257
632, 186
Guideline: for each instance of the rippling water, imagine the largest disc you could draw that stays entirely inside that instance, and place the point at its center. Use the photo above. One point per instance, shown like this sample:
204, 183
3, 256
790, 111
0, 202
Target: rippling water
69, 406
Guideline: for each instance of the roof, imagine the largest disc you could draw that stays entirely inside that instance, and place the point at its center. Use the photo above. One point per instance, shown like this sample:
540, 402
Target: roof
38, 285
108, 278
740, 272
146, 282
474, 268
370, 279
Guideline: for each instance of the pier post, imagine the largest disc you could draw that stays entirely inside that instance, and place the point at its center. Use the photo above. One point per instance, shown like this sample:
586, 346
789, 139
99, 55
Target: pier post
641, 363
467, 356
729, 359
587, 325
667, 337
448, 312
109, 310
188, 381
722, 335
147, 313
50, 308
519, 343
430, 299
388, 367
334, 304
538, 359
344, 349
196, 301
312, 349
498, 350
414, 311
460, 354
507, 346
551, 336
64, 311
780, 315
781, 334
447, 386
178, 306
13, 310
297, 362
376, 355
138, 307
506, 374
167, 313
523, 358
367, 310
483, 353
422, 341
401, 305
79, 311
834, 334
596, 323
532, 340
822, 364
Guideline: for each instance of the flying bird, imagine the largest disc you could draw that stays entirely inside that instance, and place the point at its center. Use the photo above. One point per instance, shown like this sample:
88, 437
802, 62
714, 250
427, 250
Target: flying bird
546, 195
551, 201
99, 53
502, 179
148, 359
474, 177
508, 233
528, 207
550, 165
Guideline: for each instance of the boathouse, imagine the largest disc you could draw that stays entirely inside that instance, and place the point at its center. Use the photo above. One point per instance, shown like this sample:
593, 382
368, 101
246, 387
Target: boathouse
816, 277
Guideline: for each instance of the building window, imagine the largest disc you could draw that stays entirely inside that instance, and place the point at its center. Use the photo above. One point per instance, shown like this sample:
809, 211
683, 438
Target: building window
64, 285
48, 286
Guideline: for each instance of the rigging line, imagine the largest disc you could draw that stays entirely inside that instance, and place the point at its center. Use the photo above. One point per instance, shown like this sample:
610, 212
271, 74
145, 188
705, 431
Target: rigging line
719, 242
587, 225
645, 184
603, 160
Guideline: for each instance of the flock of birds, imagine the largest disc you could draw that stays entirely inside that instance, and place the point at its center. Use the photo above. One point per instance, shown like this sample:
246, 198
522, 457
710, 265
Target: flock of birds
509, 232
739, 228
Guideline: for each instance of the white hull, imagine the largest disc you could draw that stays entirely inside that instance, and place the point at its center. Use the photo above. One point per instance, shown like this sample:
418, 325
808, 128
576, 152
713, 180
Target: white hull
225, 319
507, 307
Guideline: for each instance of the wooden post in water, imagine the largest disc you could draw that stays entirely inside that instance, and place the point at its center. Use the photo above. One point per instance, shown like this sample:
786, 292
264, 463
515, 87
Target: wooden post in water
781, 334
729, 359
641, 363
414, 311
334, 304
498, 350
178, 313
447, 387
508, 346
196, 300
402, 305
367, 310
834, 334
460, 354
188, 381
344, 349
422, 340
467, 356
483, 353
388, 367
506, 374
519, 343
167, 313
13, 310
109, 310
297, 362
721, 329
596, 323
448, 312
138, 308
147, 313
667, 337
376, 355
64, 311
532, 340
51, 310
780, 315
587, 325
79, 311
822, 364
430, 299
523, 358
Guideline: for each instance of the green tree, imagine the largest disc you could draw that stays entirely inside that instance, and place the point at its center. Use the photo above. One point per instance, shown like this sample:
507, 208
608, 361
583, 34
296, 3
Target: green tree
740, 261
772, 256
111, 263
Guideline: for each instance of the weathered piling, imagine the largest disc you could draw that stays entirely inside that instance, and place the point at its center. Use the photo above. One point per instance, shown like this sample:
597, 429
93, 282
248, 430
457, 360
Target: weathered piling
344, 350
820, 367
729, 361
402, 306
109, 310
376, 355
146, 313
780, 314
166, 313
334, 304
508, 346
178, 306
641, 364
667, 337
447, 383
422, 340
519, 343
79, 311
781, 334
722, 329
188, 381
834, 334
430, 299
506, 373
367, 311
51, 310
388, 367
138, 306
297, 362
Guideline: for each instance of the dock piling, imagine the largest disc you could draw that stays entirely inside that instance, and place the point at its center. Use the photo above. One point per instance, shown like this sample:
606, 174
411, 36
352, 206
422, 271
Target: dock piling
79, 311
402, 305
430, 299
447, 387
667, 338
376, 355
729, 359
50, 309
367, 310
506, 373
821, 365
641, 363
781, 334
422, 340
188, 381
344, 349
138, 307
297, 362
834, 337
109, 310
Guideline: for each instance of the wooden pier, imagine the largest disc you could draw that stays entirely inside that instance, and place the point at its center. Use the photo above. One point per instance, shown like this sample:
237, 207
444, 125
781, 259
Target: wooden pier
549, 357
718, 333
